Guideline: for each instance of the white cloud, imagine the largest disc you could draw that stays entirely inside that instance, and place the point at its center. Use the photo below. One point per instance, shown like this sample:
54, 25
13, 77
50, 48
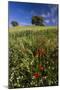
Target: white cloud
53, 20
48, 14
53, 10
47, 21
23, 23
44, 15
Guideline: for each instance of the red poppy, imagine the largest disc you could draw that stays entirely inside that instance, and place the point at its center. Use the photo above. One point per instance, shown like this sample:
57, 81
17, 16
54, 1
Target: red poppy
41, 67
36, 75
39, 52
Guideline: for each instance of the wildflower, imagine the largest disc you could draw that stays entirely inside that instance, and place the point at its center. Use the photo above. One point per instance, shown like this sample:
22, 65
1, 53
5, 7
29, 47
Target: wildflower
41, 67
39, 52
47, 62
44, 77
36, 75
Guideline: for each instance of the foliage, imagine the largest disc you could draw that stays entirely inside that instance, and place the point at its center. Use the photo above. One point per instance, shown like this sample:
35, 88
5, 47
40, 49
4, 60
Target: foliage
38, 20
14, 23
33, 58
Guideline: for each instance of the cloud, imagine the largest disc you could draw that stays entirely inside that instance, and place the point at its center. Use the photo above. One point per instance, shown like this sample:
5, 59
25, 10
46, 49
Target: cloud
43, 15
24, 23
53, 20
52, 13
54, 10
52, 16
46, 15
47, 21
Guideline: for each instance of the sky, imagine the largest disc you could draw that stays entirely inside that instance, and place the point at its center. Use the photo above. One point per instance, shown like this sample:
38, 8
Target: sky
23, 12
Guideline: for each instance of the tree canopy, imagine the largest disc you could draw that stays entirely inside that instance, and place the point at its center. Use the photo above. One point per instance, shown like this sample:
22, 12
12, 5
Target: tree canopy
38, 20
14, 23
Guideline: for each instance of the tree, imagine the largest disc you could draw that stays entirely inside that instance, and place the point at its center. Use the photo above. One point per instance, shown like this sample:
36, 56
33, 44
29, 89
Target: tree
14, 23
38, 20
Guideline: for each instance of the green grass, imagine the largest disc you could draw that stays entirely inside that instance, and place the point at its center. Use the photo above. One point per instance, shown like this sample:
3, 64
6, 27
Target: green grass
34, 28
23, 63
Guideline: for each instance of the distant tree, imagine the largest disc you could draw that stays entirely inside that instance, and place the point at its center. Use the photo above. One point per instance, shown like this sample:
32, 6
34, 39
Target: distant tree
14, 23
38, 20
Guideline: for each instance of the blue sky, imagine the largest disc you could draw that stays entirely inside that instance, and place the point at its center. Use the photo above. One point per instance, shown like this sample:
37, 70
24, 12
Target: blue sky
23, 12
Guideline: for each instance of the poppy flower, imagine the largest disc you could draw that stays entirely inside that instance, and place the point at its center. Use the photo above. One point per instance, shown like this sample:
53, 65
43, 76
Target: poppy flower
39, 52
36, 75
41, 67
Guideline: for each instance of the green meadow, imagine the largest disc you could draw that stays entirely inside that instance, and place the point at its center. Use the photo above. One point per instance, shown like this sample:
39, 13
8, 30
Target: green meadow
33, 56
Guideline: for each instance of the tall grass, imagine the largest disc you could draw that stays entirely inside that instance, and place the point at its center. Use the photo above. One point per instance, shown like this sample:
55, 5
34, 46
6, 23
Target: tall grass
33, 56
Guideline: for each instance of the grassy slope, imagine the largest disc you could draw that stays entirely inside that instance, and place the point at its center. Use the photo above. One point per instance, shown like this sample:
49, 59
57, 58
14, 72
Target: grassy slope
20, 28
22, 44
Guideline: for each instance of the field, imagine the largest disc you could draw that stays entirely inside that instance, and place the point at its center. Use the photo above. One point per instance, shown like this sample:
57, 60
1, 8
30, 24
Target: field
33, 56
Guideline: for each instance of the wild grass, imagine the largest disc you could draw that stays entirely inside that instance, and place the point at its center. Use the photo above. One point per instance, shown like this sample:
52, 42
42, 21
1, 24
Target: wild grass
33, 56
